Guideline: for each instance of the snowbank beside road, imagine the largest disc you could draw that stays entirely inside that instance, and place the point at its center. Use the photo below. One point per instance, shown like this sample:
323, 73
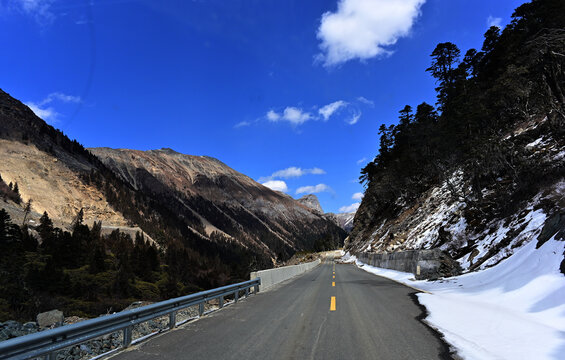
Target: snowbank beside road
514, 310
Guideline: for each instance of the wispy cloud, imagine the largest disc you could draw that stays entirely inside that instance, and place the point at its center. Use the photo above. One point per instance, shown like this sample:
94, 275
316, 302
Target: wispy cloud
314, 189
349, 208
328, 110
363, 29
494, 21
361, 161
242, 124
365, 101
357, 196
39, 10
277, 185
292, 172
354, 118
48, 113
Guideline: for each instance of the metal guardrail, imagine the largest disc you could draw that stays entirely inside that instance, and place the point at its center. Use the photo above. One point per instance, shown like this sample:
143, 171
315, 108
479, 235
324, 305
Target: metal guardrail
47, 343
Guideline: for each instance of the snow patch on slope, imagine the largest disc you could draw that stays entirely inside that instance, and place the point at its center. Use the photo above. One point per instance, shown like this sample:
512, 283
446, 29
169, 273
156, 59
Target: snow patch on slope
514, 310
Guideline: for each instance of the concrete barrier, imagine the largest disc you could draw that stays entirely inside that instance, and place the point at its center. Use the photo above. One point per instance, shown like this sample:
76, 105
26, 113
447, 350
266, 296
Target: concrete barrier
424, 264
274, 276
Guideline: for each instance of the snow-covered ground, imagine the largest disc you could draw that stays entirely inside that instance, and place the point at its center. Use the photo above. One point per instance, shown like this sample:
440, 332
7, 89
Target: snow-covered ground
514, 310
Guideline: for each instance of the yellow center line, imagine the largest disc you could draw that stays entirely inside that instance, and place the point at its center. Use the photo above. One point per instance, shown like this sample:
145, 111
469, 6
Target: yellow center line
332, 304
333, 283
334, 276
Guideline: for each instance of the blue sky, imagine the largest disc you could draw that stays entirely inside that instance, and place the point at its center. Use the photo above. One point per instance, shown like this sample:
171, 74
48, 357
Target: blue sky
290, 93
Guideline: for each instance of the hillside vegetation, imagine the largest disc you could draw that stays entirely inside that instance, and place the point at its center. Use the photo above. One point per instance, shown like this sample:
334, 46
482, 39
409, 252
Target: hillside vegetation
487, 156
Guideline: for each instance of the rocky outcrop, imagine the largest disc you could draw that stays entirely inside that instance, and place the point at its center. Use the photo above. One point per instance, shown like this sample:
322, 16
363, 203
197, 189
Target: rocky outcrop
311, 201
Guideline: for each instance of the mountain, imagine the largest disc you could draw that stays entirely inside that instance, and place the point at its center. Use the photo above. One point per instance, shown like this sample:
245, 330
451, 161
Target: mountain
482, 174
85, 235
345, 221
221, 201
311, 201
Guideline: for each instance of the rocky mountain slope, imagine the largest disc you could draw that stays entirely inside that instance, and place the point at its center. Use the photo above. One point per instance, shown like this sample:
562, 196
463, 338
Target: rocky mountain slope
485, 175
222, 201
311, 201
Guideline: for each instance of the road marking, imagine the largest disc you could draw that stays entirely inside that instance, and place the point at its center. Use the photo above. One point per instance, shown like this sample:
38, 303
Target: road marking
332, 304
334, 276
333, 283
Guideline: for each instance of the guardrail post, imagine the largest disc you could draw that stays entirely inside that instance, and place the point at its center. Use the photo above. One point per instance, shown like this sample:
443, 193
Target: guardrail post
172, 320
221, 302
127, 336
201, 309
51, 356
236, 295
246, 292
256, 289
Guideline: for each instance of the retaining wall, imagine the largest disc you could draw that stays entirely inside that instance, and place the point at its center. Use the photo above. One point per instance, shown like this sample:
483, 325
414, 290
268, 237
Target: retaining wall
424, 264
274, 276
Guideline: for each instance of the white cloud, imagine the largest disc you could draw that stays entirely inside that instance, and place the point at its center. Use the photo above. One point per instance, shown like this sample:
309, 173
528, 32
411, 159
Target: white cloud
61, 97
277, 185
296, 115
40, 10
47, 113
350, 208
494, 21
328, 110
273, 116
291, 114
242, 124
292, 172
354, 118
361, 29
366, 101
357, 196
361, 161
314, 189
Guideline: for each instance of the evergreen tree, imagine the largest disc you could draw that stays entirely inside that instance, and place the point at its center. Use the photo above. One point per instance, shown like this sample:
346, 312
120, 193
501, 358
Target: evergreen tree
445, 57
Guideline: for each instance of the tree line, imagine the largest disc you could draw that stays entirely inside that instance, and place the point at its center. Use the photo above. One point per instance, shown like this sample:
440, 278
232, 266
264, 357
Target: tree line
517, 76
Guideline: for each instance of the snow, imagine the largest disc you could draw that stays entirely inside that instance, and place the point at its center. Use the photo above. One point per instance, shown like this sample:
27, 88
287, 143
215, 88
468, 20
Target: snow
534, 143
514, 310
347, 258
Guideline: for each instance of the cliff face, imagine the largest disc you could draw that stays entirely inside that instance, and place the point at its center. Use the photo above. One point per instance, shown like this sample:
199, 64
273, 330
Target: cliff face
311, 201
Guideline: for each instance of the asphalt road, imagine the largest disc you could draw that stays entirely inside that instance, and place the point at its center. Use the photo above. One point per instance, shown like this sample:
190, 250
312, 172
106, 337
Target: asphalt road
374, 318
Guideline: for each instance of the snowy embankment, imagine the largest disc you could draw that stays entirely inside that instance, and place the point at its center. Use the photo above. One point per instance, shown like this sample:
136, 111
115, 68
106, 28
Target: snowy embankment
514, 310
